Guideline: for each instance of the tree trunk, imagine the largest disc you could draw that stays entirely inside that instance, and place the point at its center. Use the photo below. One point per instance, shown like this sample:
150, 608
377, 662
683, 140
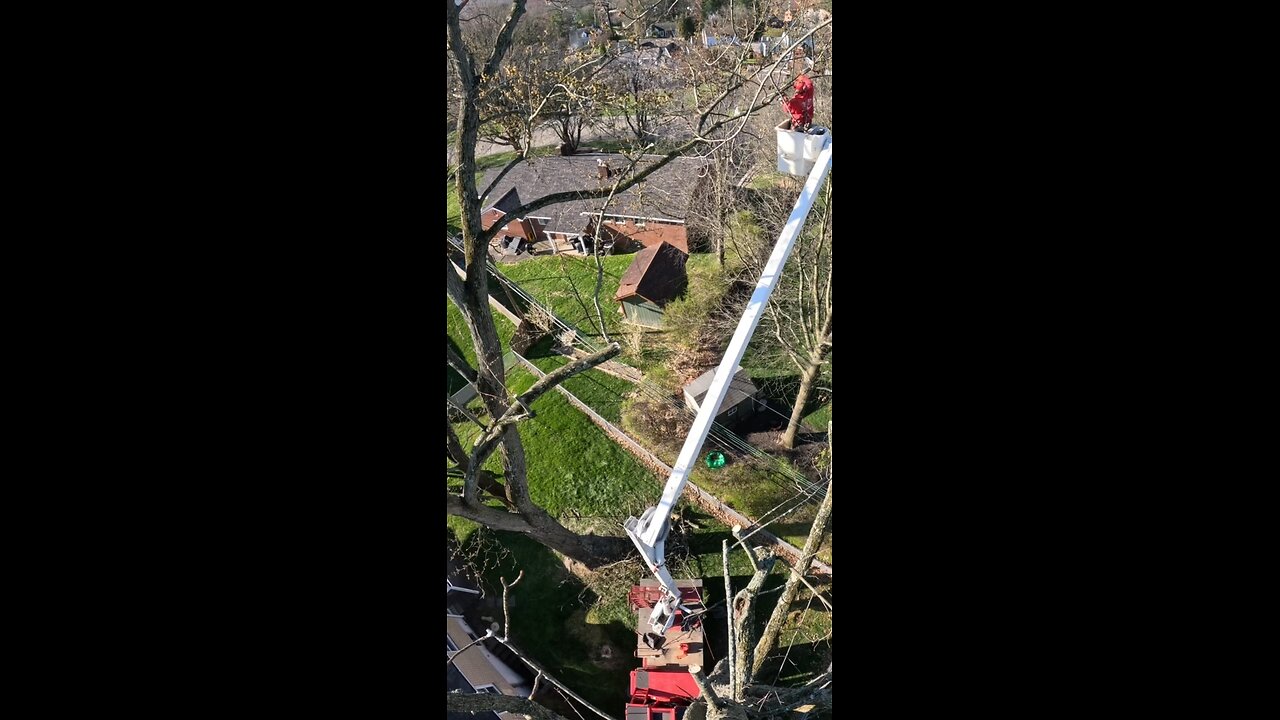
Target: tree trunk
769, 637
490, 377
802, 397
454, 448
485, 702
807, 377
744, 616
589, 550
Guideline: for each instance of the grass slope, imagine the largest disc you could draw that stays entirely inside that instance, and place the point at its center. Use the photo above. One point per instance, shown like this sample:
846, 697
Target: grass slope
601, 391
460, 336
568, 283
573, 466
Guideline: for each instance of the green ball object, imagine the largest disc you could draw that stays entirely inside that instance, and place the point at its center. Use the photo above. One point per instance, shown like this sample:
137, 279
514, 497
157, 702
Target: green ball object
715, 460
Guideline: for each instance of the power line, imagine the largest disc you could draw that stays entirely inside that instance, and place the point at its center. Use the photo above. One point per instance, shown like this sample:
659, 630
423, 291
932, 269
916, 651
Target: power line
724, 437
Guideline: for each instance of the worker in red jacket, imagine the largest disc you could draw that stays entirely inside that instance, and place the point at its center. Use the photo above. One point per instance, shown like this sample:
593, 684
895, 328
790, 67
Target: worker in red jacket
801, 105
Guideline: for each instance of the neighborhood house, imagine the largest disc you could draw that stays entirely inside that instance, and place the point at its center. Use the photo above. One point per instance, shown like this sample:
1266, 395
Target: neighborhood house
650, 212
477, 669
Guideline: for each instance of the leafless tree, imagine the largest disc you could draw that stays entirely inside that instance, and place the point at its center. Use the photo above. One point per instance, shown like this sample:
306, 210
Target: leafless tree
799, 311
797, 318
821, 522
733, 689
475, 62
517, 105
641, 100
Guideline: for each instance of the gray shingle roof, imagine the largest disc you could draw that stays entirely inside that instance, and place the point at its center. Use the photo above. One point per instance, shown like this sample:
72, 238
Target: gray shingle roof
665, 194
740, 388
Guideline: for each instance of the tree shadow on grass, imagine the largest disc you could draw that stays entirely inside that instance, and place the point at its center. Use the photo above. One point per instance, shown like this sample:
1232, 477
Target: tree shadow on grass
542, 349
456, 381
804, 660
547, 612
781, 390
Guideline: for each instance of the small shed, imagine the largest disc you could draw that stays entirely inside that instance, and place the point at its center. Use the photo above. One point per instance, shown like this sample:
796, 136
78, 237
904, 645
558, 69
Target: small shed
741, 402
655, 277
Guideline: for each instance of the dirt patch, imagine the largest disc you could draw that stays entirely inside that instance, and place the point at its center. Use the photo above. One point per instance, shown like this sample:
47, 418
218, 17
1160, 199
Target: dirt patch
687, 365
767, 440
805, 454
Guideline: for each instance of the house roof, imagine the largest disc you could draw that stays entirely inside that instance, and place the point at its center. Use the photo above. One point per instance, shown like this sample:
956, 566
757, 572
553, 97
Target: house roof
509, 201
647, 56
455, 681
476, 664
656, 274
740, 388
663, 195
673, 47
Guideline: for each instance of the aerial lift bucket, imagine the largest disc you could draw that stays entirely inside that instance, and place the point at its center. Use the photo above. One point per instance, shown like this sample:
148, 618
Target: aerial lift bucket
798, 151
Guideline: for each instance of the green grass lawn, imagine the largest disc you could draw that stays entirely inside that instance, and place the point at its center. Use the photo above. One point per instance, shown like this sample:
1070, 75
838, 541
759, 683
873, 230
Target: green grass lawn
559, 622
601, 391
818, 418
460, 336
574, 468
452, 212
572, 464
568, 283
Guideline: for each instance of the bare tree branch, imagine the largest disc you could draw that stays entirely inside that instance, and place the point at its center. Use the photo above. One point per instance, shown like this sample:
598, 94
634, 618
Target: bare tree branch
485, 445
449, 660
484, 702
728, 594
467, 414
453, 447
456, 361
534, 690
743, 613
552, 679
504, 38
769, 638
736, 530
708, 692
506, 613
487, 516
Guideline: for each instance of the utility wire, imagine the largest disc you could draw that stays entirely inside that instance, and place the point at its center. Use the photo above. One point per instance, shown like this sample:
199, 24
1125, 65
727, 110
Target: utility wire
721, 435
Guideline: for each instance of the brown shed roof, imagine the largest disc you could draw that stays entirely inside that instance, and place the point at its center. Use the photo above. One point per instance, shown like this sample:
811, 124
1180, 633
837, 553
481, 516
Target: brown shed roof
657, 274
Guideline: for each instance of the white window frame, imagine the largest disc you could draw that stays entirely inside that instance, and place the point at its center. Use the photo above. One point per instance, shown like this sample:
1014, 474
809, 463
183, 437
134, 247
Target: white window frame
486, 688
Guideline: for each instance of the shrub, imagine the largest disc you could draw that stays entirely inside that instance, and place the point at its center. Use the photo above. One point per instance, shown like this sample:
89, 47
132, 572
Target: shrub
684, 319
688, 26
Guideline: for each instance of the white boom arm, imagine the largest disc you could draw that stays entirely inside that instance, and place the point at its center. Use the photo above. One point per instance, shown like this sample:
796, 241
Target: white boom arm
649, 532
